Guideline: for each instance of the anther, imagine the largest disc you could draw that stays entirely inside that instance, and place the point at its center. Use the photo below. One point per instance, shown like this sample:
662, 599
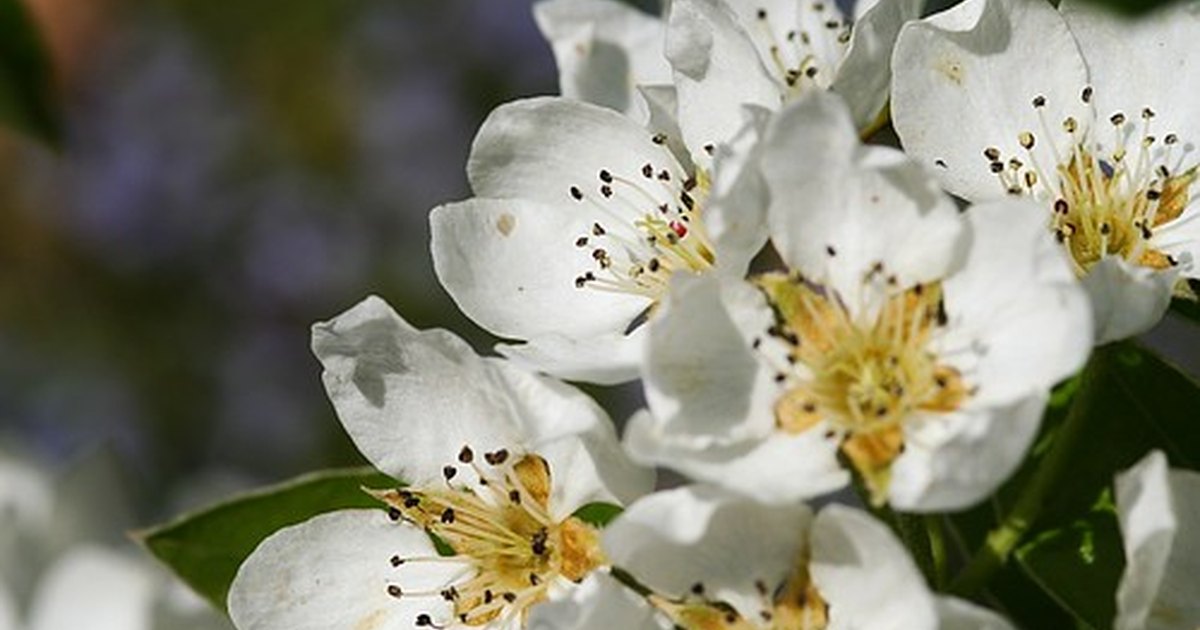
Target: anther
1026, 139
1070, 124
1039, 101
576, 193
394, 591
1086, 95
605, 176
991, 153
466, 455
1117, 119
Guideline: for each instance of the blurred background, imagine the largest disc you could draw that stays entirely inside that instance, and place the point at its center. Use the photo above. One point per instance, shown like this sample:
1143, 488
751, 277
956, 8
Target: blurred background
228, 173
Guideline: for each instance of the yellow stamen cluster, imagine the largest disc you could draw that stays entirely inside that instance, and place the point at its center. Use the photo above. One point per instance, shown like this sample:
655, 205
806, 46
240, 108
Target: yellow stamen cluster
503, 531
864, 379
795, 605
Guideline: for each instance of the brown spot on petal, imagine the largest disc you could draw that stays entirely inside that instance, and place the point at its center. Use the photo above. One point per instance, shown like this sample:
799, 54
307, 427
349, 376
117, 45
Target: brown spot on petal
505, 223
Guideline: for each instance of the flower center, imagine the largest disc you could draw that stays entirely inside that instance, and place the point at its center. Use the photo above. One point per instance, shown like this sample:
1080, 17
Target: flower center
794, 605
1108, 199
648, 227
863, 379
802, 52
502, 531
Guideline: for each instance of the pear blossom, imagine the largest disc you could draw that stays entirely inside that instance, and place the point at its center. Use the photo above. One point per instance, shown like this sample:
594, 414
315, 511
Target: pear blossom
605, 50
713, 560
498, 460
914, 342
1089, 113
729, 53
580, 218
1158, 509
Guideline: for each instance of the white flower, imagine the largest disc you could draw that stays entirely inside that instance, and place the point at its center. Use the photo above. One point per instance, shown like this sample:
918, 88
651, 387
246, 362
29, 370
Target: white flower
1089, 113
580, 218
1159, 512
714, 561
730, 53
63, 582
605, 50
497, 460
918, 342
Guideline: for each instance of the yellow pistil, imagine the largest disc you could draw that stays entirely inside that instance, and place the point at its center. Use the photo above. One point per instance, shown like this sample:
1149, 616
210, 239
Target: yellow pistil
865, 379
504, 531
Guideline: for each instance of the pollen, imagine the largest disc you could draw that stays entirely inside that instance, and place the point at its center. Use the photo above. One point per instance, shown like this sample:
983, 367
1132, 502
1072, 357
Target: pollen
1108, 198
501, 531
862, 380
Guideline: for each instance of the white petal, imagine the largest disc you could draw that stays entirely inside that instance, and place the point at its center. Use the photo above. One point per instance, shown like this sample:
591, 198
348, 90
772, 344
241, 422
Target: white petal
605, 359
1127, 299
1146, 62
717, 71
952, 461
1018, 320
736, 211
1159, 513
960, 614
575, 437
8, 609
93, 588
600, 603
26, 497
778, 468
865, 574
604, 49
333, 571
864, 76
842, 208
663, 102
511, 266
701, 375
412, 399
673, 539
964, 80
537, 148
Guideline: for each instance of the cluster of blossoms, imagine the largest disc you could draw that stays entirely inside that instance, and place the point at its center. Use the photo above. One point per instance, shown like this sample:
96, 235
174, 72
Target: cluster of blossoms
886, 336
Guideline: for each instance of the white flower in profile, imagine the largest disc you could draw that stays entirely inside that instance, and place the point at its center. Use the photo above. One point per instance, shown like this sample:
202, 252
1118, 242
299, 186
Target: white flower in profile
914, 342
1092, 114
580, 218
712, 560
730, 53
1159, 513
605, 50
497, 459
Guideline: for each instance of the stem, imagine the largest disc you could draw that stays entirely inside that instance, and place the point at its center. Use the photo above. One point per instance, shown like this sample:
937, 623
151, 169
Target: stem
937, 549
1001, 541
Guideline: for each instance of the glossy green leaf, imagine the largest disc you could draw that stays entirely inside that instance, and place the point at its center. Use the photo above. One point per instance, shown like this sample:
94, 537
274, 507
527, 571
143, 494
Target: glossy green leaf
206, 548
599, 514
1079, 564
25, 79
1073, 553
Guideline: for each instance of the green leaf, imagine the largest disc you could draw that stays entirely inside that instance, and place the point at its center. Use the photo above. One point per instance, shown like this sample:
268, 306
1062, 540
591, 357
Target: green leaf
1133, 7
206, 548
1073, 553
1080, 564
25, 79
598, 514
1186, 308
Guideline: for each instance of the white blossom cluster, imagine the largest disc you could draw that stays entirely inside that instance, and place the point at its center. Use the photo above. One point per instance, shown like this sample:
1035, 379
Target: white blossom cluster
885, 336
